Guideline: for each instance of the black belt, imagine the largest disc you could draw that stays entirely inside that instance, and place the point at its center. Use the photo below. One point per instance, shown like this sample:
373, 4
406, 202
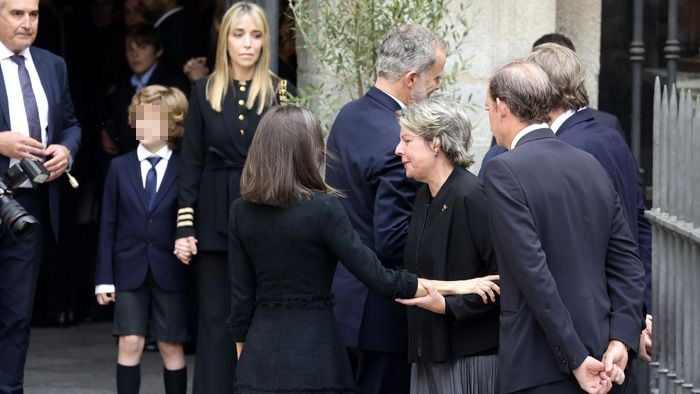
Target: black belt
227, 188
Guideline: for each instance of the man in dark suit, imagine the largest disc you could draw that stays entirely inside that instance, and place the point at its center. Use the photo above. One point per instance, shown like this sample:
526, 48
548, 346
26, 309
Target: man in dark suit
575, 124
36, 122
379, 200
571, 278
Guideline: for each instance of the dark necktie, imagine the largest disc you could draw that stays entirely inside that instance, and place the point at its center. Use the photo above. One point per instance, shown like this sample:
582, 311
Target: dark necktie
151, 181
29, 101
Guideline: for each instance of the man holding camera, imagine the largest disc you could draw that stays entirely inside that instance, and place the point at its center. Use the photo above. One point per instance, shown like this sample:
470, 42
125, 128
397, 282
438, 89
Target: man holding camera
37, 121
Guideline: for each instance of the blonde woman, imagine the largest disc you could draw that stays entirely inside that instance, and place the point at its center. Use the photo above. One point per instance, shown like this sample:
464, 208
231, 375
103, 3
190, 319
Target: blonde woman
224, 112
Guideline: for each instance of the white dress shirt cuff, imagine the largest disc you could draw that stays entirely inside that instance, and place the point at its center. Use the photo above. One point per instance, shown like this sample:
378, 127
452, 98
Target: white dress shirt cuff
104, 289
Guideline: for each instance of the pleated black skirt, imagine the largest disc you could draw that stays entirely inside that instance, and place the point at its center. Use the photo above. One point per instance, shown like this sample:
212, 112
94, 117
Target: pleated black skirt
467, 375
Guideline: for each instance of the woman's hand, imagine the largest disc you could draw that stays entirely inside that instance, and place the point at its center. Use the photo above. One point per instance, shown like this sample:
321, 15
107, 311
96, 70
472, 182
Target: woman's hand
485, 287
433, 301
185, 248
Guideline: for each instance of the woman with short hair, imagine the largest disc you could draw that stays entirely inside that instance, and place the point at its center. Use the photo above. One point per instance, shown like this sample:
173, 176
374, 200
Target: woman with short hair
453, 340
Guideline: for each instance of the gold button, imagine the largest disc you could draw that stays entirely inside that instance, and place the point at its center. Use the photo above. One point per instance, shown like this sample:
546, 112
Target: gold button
242, 88
241, 102
241, 117
242, 132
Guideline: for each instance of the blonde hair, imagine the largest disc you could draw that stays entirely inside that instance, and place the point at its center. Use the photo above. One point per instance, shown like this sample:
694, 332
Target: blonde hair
261, 89
171, 98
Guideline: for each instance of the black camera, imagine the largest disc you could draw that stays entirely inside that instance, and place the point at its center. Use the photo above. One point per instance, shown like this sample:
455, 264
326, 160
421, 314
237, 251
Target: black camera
12, 215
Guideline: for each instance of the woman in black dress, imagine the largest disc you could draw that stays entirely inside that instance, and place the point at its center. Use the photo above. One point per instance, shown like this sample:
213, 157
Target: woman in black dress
286, 235
453, 342
225, 109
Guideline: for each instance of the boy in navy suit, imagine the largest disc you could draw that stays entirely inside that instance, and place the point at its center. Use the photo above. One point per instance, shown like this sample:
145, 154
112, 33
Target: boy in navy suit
136, 268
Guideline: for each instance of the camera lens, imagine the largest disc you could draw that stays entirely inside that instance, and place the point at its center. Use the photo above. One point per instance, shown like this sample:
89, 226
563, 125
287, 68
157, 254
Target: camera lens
15, 218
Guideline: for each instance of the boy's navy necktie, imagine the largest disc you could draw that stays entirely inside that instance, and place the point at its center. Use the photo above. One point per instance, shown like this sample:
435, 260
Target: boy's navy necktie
30, 106
151, 181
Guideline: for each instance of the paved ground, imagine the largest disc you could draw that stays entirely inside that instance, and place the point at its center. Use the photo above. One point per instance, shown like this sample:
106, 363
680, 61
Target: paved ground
82, 359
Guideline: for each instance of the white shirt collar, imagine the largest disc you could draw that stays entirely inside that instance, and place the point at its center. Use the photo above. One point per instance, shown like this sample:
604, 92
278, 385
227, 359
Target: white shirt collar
5, 52
397, 100
142, 153
526, 131
561, 119
166, 15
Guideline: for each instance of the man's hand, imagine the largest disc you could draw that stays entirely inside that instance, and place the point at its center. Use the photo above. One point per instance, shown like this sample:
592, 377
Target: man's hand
591, 376
19, 146
615, 356
60, 158
106, 298
433, 302
645, 341
185, 248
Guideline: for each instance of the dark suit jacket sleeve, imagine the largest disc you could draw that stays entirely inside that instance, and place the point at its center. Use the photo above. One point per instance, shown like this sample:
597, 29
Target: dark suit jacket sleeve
359, 259
493, 151
192, 157
69, 128
462, 308
393, 205
104, 272
644, 236
243, 283
513, 226
625, 276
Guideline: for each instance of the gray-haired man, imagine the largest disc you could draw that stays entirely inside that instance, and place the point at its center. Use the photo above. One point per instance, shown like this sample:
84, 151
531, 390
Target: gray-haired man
379, 200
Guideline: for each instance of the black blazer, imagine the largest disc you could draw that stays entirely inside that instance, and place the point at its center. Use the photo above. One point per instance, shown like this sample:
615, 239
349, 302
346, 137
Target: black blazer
571, 278
379, 200
134, 238
449, 239
214, 150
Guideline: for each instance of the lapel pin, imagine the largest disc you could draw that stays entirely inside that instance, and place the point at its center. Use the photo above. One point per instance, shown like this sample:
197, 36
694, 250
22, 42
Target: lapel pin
444, 207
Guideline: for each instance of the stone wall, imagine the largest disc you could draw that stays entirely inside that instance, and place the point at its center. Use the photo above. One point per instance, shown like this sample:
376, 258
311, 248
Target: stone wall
500, 31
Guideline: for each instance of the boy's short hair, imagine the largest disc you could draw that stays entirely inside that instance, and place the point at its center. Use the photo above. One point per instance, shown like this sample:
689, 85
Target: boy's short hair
144, 34
171, 98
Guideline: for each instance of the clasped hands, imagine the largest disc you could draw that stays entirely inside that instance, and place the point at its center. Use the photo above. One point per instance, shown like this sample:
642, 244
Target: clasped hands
19, 146
431, 294
597, 377
185, 248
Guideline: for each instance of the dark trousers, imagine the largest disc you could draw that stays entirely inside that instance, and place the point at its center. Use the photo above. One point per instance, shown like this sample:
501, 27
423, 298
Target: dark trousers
215, 361
381, 373
19, 270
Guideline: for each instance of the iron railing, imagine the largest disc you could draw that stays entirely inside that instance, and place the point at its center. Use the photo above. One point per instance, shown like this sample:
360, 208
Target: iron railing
675, 219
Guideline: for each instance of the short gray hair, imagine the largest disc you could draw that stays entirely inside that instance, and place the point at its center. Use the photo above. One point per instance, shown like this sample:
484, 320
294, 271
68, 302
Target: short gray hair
526, 90
407, 48
442, 122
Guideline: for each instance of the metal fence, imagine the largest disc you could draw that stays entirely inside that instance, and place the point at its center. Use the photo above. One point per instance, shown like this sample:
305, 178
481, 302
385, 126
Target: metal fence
675, 218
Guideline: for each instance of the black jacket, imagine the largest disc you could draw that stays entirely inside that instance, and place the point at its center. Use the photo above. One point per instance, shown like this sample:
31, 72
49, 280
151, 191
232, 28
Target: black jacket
214, 150
449, 239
